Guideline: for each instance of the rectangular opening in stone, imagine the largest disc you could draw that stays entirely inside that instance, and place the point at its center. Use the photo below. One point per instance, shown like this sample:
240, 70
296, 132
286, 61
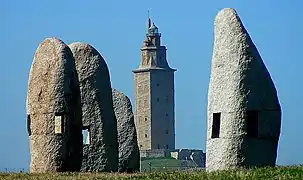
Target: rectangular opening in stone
215, 133
252, 124
85, 134
28, 119
59, 124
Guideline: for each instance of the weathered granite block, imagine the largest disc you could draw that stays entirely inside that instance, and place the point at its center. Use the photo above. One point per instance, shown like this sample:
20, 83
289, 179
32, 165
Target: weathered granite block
244, 114
54, 109
129, 155
100, 151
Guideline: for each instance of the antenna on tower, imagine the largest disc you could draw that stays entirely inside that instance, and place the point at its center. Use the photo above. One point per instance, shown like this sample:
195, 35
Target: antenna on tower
149, 21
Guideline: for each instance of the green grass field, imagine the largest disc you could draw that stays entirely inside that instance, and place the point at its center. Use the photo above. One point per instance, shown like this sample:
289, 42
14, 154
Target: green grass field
295, 172
165, 164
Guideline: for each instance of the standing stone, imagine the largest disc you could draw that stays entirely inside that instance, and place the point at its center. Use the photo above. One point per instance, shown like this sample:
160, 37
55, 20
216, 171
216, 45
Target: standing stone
129, 155
244, 114
54, 109
100, 150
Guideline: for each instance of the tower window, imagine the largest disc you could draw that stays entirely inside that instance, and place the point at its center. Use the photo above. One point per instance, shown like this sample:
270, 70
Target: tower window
59, 123
145, 118
252, 124
158, 99
215, 133
166, 115
158, 146
28, 118
146, 135
85, 134
158, 84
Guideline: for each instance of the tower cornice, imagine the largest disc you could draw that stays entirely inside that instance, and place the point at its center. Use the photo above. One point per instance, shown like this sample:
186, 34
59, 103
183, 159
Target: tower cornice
153, 48
153, 69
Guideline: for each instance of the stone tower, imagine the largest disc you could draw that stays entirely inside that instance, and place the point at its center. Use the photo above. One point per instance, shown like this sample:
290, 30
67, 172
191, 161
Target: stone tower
244, 114
154, 95
54, 109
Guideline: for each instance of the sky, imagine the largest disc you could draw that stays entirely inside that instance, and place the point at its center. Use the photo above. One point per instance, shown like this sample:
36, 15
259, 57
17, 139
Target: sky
117, 28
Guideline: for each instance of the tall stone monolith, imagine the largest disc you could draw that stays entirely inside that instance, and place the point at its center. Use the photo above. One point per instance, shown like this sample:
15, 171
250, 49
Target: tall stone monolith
244, 114
54, 109
129, 155
100, 149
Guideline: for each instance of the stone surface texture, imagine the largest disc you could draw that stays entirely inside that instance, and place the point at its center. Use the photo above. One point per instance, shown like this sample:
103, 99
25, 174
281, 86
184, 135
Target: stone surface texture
101, 155
240, 82
53, 90
129, 155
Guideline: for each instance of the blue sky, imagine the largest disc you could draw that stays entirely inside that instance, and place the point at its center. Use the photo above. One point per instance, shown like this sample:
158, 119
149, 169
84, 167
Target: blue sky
117, 30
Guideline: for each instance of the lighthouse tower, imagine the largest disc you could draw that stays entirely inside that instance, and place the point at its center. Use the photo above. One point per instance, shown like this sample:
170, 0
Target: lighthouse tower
154, 95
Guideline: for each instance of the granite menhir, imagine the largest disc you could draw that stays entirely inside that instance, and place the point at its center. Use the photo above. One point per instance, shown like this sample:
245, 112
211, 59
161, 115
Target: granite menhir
54, 109
244, 114
100, 149
129, 155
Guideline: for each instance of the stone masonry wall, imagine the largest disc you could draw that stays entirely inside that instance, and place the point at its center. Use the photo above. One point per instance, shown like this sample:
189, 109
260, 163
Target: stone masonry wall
142, 109
163, 114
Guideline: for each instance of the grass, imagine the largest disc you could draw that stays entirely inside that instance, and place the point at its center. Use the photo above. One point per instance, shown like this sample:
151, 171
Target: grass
160, 163
164, 164
281, 173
